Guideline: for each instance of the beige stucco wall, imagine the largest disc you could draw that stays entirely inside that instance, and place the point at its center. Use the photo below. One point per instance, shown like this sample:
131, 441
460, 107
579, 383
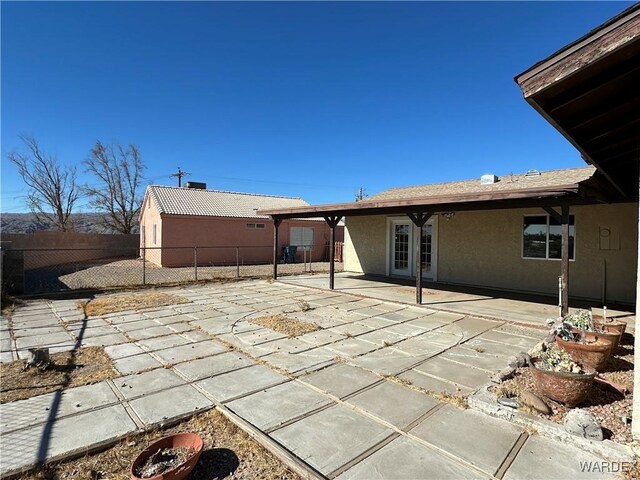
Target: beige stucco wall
485, 249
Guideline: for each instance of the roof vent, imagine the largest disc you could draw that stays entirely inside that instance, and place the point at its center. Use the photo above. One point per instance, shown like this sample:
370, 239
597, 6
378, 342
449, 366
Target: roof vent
197, 185
488, 179
532, 173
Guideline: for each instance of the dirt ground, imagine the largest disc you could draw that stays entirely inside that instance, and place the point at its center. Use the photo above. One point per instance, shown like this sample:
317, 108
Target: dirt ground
88, 365
134, 301
286, 325
229, 453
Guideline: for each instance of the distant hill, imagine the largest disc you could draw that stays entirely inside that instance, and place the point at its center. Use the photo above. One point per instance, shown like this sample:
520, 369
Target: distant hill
27, 223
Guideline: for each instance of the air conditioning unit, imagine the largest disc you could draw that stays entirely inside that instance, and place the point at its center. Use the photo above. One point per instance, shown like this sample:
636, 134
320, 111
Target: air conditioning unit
197, 185
488, 179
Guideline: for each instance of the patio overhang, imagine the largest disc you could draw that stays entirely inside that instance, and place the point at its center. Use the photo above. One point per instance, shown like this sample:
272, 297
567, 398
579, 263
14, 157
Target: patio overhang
589, 92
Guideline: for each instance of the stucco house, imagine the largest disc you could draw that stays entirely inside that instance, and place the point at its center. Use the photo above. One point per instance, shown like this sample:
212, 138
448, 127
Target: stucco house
224, 226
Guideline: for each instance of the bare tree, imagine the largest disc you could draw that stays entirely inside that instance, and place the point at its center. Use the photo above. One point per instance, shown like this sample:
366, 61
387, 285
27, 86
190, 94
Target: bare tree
53, 191
119, 171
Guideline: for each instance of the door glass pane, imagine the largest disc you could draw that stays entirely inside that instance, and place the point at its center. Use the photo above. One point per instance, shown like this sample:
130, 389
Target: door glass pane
426, 248
401, 247
535, 237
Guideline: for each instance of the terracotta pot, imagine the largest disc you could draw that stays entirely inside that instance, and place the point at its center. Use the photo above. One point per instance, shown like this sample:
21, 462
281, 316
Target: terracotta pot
567, 388
178, 440
614, 338
589, 355
610, 325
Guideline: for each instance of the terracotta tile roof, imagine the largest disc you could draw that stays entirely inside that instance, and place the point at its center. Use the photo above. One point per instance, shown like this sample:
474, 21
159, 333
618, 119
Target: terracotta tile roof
549, 178
216, 203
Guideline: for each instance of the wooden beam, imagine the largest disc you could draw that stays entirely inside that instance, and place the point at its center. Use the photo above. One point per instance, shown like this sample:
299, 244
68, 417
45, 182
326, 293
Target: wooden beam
565, 259
276, 224
419, 220
332, 222
553, 213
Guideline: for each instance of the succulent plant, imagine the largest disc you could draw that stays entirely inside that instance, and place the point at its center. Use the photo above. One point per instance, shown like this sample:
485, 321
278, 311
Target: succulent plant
561, 328
558, 360
580, 319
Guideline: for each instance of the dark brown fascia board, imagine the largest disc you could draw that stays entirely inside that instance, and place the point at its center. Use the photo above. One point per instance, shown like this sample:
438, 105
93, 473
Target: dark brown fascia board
442, 203
568, 50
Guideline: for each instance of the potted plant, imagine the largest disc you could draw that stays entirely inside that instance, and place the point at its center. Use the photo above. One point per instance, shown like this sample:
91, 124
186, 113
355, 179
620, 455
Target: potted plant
560, 378
608, 324
170, 458
582, 320
589, 349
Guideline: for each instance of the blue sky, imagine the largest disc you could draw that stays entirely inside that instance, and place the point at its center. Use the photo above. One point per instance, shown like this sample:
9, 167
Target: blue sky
307, 99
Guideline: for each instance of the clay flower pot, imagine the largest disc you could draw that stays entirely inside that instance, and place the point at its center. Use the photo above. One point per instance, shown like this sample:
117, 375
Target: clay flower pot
567, 388
609, 325
589, 355
612, 337
179, 440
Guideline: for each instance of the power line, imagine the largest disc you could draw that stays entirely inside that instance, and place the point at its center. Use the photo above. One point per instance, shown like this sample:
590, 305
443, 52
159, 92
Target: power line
179, 174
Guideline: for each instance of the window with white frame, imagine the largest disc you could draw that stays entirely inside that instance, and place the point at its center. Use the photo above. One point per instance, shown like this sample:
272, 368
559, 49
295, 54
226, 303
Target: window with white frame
155, 233
542, 237
301, 237
255, 226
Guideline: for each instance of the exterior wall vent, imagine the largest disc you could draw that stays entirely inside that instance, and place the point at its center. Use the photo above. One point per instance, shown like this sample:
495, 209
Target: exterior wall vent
197, 185
488, 179
532, 173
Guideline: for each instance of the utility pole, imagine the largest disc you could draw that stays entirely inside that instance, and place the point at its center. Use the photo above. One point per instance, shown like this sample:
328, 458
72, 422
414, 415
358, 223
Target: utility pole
179, 174
361, 195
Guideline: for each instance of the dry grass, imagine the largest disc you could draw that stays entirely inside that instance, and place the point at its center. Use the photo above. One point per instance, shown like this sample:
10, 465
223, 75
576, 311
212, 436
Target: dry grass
283, 324
135, 301
90, 365
460, 401
228, 453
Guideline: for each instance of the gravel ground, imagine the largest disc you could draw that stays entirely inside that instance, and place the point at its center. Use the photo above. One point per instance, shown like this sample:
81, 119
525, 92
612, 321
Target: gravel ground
606, 406
129, 272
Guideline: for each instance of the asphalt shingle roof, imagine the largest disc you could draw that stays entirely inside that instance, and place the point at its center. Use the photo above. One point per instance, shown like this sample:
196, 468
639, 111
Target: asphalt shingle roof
216, 203
549, 178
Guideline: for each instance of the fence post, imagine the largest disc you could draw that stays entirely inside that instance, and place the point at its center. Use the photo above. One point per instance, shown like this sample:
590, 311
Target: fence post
195, 263
237, 262
144, 265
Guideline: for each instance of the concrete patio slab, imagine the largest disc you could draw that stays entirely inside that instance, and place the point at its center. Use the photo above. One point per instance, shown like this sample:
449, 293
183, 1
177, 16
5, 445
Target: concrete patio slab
132, 386
459, 432
340, 380
136, 363
419, 347
454, 372
27, 447
52, 406
270, 408
331, 438
541, 457
433, 384
300, 362
169, 404
352, 347
481, 355
394, 404
105, 340
159, 343
406, 459
385, 361
404, 330
151, 332
375, 323
259, 336
132, 326
238, 383
426, 323
321, 337
213, 365
351, 329
470, 326
382, 338
191, 351
400, 315
523, 342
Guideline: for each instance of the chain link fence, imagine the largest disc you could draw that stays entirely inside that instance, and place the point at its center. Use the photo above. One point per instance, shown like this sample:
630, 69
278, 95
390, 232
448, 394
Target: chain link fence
38, 271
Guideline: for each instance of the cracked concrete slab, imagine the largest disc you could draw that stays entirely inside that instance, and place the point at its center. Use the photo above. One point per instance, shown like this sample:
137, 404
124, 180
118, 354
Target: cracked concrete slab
352, 347
331, 438
191, 351
457, 431
386, 361
406, 459
454, 372
132, 386
274, 406
136, 363
433, 384
340, 379
237, 383
471, 326
169, 404
213, 365
394, 404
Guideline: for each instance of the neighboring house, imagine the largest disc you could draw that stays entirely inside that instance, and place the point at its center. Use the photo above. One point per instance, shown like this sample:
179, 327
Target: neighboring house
224, 226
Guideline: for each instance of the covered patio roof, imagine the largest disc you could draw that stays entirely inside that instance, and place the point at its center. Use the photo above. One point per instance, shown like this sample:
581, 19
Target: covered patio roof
589, 92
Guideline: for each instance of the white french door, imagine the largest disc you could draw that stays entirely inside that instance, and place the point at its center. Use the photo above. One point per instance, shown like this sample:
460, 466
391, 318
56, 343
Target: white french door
403, 248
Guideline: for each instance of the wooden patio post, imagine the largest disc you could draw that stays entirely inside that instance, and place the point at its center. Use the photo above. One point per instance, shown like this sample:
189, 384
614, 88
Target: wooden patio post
332, 222
276, 224
419, 219
565, 259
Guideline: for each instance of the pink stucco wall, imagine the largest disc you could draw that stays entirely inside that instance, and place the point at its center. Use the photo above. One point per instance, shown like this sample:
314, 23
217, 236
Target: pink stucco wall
221, 241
